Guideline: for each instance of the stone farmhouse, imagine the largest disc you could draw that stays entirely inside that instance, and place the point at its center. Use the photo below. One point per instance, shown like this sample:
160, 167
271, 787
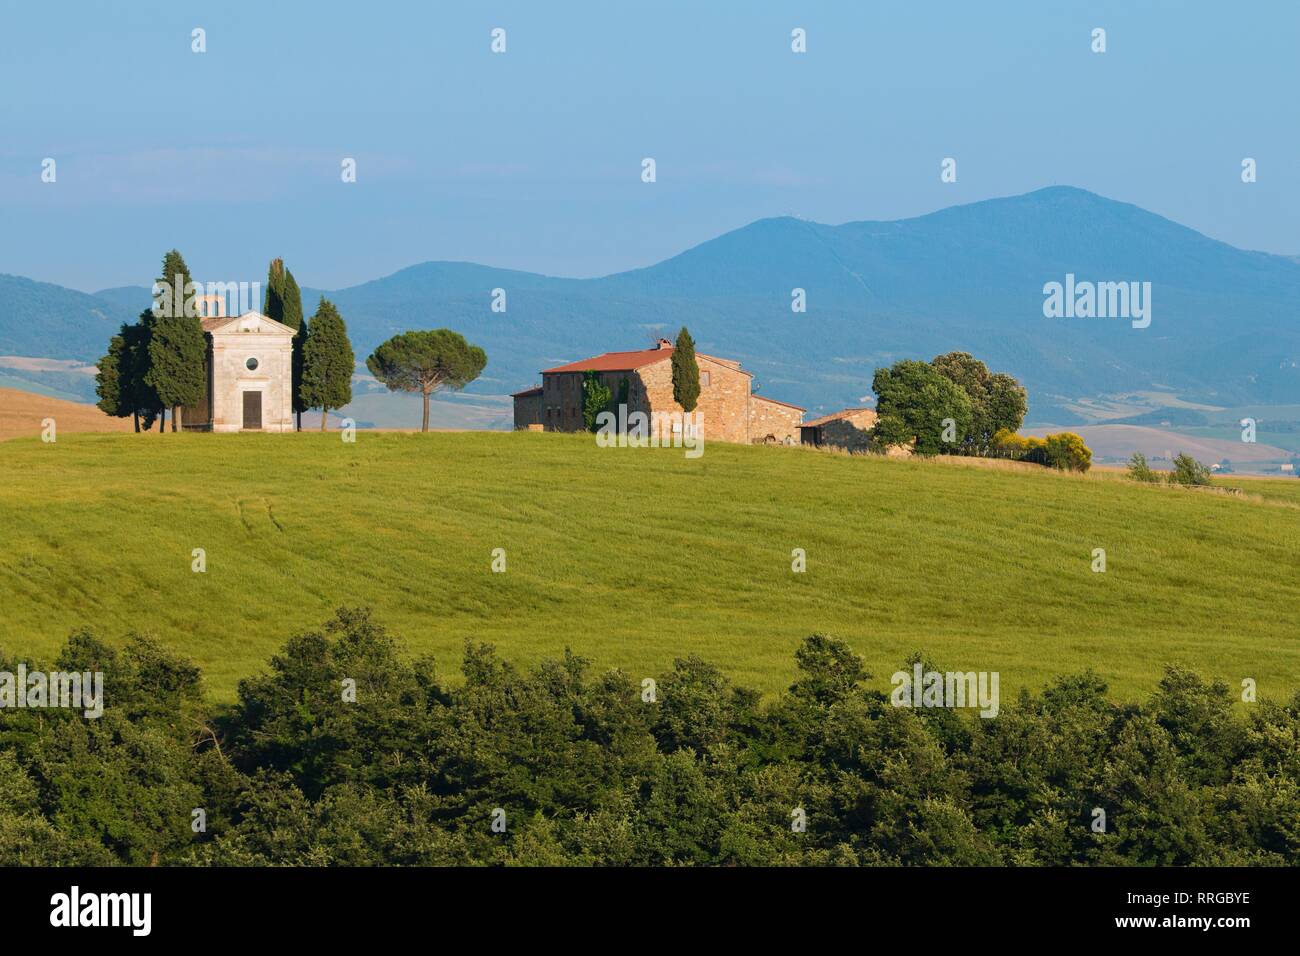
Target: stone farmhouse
249, 368
732, 411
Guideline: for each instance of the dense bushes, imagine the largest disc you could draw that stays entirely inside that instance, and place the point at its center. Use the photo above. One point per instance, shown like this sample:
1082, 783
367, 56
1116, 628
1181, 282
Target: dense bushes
588, 770
1187, 471
1064, 450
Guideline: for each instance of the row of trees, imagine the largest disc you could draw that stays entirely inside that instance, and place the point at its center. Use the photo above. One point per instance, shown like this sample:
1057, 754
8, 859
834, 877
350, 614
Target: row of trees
159, 363
1064, 451
582, 769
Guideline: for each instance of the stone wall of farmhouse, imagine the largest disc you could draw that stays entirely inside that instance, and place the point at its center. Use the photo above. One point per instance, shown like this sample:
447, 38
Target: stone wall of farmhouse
562, 402
528, 410
772, 421
852, 432
724, 397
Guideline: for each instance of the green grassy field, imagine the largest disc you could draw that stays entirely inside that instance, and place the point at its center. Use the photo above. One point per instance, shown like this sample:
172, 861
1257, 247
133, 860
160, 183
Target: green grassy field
633, 557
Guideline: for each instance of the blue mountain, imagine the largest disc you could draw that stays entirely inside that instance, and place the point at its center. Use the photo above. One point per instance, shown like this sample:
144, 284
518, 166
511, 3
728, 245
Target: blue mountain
1225, 323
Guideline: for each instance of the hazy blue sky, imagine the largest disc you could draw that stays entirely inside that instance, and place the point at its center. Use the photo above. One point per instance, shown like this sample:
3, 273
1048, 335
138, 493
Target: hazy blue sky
531, 159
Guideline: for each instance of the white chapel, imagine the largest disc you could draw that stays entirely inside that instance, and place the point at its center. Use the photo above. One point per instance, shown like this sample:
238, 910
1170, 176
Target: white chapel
249, 373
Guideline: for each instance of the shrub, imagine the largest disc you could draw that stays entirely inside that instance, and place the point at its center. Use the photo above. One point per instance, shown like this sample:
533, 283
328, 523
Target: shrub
1189, 471
1007, 444
1064, 450
1139, 470
1067, 452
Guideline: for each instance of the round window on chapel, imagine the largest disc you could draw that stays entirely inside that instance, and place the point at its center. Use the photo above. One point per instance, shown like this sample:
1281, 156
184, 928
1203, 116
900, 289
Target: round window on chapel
252, 364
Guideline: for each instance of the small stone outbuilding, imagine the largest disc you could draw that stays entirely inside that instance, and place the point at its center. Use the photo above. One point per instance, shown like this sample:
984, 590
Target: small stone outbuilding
849, 428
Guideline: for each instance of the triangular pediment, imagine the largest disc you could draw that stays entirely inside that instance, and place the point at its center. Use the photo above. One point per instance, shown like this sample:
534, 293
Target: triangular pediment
250, 322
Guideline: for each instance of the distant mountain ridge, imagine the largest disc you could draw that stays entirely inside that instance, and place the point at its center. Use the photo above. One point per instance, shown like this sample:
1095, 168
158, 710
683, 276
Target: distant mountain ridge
1224, 324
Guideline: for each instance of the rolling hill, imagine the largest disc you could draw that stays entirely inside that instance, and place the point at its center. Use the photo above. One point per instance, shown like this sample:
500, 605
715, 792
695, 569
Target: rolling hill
21, 414
636, 557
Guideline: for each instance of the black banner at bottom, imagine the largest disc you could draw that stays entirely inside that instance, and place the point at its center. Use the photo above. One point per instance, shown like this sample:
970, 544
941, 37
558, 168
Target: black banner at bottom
220, 905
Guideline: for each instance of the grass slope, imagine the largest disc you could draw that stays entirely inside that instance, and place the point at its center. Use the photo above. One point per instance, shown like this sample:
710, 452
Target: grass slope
636, 556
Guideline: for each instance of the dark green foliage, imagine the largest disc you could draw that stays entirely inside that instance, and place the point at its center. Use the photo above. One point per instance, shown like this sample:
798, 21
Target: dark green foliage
913, 401
283, 303
595, 399
109, 380
686, 372
426, 361
328, 362
177, 347
1067, 452
1188, 471
135, 391
1139, 470
997, 401
292, 302
273, 298
176, 361
593, 770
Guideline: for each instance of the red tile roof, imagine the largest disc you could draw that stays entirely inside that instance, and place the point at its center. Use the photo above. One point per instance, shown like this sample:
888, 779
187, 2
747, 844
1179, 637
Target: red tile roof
614, 362
764, 398
630, 361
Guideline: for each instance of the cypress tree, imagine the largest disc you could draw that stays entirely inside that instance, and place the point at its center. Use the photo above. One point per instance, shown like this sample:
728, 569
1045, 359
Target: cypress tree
686, 372
135, 365
328, 362
108, 380
294, 318
273, 301
176, 344
284, 304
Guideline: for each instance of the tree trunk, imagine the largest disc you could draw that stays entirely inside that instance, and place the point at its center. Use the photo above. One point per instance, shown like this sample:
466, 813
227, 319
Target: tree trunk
135, 415
174, 409
299, 415
323, 412
178, 416
162, 420
425, 426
